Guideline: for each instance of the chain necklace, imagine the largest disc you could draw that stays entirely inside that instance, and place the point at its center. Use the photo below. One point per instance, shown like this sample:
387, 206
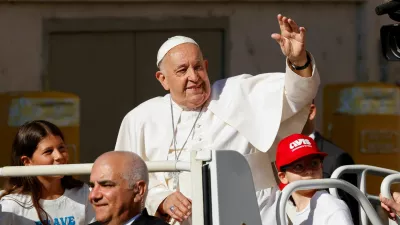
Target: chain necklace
175, 175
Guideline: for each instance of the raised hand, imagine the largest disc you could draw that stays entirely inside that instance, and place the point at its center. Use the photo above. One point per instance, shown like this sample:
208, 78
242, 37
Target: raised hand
291, 40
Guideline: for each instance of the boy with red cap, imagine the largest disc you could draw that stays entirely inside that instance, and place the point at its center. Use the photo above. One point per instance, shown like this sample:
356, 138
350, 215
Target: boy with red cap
298, 158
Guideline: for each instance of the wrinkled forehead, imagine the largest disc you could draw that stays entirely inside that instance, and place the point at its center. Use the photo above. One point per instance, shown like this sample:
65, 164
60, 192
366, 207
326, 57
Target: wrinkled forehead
184, 53
105, 171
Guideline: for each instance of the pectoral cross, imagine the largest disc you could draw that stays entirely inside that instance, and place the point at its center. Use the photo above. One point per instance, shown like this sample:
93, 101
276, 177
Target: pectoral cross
175, 177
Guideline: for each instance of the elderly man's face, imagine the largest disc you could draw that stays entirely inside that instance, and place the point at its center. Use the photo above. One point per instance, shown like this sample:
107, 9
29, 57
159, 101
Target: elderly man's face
111, 197
183, 72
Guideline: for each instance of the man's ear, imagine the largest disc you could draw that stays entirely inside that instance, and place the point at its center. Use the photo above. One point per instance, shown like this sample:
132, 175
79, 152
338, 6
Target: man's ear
141, 188
162, 79
26, 160
313, 112
282, 177
206, 64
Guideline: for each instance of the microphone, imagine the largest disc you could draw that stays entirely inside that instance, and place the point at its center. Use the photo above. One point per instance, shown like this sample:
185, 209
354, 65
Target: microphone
387, 7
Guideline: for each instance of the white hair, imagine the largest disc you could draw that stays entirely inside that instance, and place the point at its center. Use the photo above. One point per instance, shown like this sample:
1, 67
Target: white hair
135, 170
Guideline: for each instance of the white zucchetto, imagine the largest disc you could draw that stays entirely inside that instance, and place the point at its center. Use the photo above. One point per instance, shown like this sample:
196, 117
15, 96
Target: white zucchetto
170, 43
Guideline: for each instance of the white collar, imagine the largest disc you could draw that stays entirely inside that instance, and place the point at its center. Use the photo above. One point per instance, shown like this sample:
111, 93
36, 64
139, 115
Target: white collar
182, 108
312, 135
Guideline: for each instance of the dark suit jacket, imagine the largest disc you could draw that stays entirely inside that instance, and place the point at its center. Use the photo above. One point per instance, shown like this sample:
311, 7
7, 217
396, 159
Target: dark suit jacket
143, 219
336, 158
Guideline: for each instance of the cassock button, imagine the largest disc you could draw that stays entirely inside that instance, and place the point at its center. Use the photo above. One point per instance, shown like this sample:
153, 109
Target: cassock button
198, 125
200, 139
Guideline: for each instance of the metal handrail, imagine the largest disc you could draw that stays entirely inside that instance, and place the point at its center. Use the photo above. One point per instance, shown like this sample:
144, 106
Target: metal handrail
385, 190
323, 184
361, 171
387, 182
84, 168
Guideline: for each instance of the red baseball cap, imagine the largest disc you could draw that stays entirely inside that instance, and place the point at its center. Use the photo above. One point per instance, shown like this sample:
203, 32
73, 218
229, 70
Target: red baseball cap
295, 147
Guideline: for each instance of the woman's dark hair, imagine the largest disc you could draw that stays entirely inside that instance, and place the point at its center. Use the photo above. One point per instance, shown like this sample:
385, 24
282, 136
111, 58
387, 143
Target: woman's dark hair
25, 144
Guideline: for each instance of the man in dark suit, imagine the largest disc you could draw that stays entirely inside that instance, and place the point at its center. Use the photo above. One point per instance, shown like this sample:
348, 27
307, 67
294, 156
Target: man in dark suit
336, 158
118, 182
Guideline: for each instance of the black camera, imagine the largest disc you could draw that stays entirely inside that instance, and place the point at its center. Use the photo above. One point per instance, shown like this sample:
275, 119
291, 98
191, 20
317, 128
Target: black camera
390, 34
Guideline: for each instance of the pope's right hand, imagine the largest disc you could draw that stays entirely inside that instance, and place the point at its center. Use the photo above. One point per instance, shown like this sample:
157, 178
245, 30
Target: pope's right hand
177, 206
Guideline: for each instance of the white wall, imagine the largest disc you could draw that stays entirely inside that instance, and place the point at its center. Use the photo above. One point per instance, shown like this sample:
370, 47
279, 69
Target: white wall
331, 37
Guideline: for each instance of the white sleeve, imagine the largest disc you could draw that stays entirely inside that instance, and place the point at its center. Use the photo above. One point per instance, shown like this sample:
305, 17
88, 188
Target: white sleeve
262, 103
128, 141
342, 217
257, 106
124, 136
156, 194
7, 216
299, 91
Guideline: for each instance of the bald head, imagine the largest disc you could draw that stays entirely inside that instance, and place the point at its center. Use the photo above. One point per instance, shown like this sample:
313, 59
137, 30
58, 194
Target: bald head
129, 165
119, 186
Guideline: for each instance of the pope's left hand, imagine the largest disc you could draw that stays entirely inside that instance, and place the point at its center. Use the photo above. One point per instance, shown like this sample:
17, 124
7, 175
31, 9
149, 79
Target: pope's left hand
291, 40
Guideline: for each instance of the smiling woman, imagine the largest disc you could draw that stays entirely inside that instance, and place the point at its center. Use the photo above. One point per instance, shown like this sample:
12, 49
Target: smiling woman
44, 199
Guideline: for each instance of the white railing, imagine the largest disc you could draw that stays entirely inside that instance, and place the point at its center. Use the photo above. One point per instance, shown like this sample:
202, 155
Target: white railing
84, 168
361, 171
194, 166
323, 184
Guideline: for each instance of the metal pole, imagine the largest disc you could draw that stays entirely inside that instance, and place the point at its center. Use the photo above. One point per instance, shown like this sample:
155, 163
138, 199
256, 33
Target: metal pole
84, 168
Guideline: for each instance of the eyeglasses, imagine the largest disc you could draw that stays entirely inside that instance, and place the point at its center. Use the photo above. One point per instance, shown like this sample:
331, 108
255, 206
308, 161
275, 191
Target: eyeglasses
301, 165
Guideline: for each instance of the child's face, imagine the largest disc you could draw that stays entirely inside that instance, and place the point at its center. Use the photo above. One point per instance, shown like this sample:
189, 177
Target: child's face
306, 168
51, 150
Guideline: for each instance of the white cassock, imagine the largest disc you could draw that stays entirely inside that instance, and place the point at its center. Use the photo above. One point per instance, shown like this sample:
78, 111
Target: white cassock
246, 113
